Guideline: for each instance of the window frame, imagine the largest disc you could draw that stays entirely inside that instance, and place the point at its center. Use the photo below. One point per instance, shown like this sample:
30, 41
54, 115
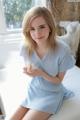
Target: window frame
2, 16
3, 27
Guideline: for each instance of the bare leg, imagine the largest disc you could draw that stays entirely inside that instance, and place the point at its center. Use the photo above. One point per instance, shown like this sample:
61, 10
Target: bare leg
36, 115
19, 114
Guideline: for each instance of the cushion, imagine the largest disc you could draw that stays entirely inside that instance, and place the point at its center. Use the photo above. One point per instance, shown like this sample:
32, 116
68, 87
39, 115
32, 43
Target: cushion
72, 35
70, 109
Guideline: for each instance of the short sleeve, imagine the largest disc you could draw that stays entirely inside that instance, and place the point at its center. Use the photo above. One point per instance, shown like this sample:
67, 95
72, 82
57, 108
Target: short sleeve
23, 51
24, 54
66, 62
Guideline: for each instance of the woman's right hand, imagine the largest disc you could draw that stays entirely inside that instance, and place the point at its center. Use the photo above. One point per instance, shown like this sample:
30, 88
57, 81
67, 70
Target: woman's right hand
27, 69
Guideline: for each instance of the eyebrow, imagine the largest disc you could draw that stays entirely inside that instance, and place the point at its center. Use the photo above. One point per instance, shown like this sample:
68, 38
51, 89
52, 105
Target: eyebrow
39, 25
42, 25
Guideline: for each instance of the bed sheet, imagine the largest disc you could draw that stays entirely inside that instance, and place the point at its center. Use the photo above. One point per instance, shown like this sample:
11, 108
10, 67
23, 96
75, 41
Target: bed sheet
70, 109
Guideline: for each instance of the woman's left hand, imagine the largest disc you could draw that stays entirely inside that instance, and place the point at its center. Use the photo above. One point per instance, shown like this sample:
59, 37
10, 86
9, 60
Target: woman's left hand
33, 72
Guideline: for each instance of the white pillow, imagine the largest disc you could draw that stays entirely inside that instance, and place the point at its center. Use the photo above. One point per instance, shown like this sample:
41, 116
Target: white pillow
70, 109
72, 36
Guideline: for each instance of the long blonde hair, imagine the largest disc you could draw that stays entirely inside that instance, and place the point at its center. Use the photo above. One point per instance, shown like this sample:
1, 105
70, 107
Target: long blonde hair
31, 15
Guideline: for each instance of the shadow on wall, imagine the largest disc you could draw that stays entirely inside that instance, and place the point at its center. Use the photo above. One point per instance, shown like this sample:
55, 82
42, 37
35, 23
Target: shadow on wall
5, 49
4, 54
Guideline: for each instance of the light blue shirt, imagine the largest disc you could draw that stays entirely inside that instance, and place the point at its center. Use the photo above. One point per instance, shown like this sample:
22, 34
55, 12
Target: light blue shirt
60, 60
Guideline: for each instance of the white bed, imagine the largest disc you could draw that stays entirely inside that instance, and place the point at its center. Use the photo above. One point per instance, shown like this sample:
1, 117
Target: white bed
13, 88
70, 109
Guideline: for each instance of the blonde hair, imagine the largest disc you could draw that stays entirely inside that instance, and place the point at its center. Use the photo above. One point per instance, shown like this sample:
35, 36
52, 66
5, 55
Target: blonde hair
31, 15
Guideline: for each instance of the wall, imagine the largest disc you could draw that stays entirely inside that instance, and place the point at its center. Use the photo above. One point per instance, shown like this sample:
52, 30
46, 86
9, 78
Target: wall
8, 43
64, 10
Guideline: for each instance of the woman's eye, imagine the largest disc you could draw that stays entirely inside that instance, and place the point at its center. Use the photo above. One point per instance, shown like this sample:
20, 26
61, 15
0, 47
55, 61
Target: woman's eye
32, 29
42, 26
39, 28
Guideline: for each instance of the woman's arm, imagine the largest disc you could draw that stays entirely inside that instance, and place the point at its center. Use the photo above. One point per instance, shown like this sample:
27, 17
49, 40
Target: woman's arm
54, 79
38, 72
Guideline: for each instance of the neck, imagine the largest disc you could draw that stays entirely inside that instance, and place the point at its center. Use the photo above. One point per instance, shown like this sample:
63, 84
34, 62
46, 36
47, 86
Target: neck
42, 46
41, 50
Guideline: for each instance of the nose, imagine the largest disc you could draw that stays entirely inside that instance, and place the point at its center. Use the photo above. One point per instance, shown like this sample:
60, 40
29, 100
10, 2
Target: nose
38, 32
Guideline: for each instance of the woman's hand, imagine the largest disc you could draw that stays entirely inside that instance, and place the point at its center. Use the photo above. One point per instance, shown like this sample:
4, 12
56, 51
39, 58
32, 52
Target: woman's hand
33, 72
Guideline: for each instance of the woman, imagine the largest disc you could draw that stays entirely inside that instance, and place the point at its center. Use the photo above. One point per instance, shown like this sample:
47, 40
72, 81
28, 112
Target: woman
48, 60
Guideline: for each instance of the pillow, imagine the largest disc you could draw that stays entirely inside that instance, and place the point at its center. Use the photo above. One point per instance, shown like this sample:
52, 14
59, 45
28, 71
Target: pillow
72, 36
70, 109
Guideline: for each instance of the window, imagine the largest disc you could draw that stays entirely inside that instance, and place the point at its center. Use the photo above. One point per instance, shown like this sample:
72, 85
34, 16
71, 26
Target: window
12, 11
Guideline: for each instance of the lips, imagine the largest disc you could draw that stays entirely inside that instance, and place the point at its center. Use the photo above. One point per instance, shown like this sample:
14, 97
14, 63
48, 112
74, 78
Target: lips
40, 38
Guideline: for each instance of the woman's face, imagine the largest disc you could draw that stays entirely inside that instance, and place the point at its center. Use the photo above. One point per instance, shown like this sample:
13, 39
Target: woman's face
39, 30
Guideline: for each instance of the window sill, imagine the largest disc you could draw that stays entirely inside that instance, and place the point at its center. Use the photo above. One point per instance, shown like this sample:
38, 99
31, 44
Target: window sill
11, 36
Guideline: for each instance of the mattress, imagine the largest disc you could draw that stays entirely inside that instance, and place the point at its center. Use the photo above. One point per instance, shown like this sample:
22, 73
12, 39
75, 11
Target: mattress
70, 109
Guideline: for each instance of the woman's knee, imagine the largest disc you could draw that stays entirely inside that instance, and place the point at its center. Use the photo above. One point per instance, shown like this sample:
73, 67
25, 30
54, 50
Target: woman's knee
36, 115
19, 114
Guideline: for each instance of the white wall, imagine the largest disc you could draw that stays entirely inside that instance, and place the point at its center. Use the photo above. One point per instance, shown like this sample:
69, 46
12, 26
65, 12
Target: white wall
6, 47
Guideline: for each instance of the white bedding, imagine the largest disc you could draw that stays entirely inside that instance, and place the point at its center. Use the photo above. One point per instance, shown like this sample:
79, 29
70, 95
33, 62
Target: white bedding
12, 94
70, 109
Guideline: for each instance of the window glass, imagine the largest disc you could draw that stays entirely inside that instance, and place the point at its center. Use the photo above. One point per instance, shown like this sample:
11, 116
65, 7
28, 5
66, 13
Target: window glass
14, 11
